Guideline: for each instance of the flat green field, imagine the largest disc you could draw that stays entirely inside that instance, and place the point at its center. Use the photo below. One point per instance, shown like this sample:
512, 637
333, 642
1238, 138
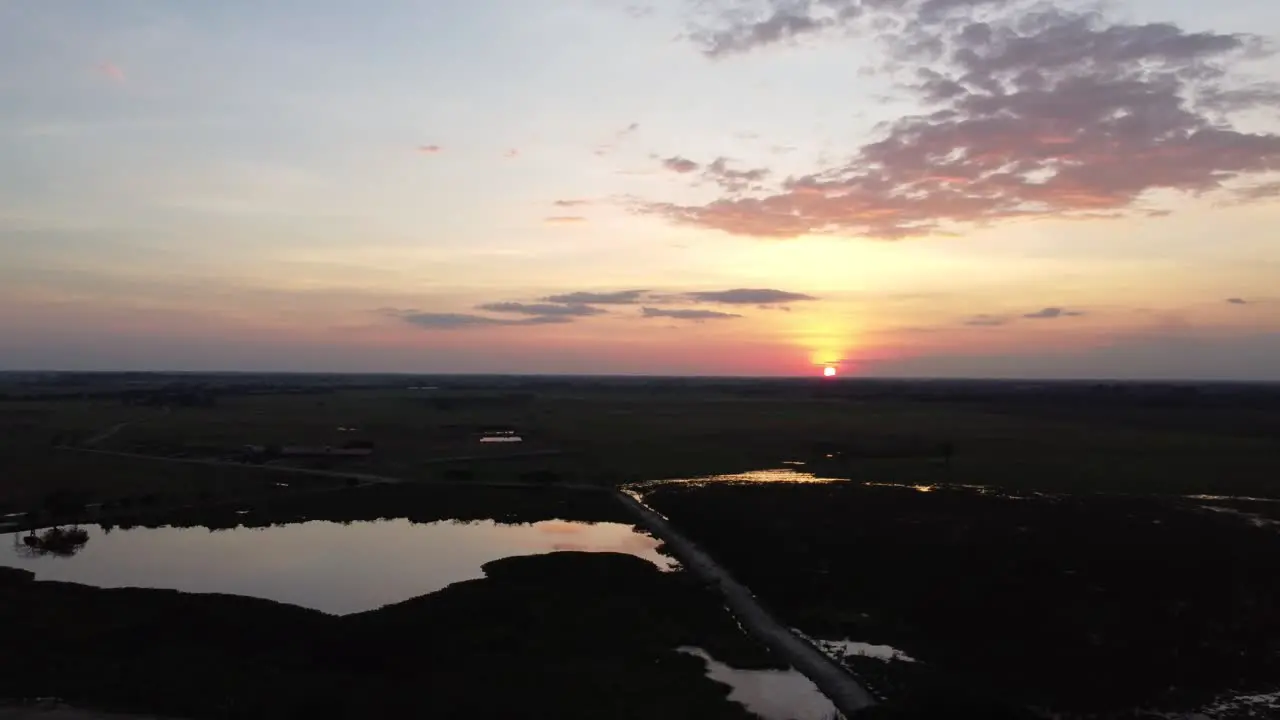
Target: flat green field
609, 435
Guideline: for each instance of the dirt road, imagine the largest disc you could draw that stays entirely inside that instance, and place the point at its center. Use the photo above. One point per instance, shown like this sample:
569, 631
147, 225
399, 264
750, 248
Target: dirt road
832, 679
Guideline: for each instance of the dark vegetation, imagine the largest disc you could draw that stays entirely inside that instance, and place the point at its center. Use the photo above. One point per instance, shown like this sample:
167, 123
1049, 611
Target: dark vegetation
60, 487
1085, 603
417, 503
567, 635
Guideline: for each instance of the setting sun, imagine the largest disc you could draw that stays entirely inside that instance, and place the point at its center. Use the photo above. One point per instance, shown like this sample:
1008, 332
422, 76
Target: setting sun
829, 372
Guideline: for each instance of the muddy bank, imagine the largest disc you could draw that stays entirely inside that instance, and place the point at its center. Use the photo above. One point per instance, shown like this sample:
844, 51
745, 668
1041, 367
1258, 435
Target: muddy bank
1087, 603
561, 635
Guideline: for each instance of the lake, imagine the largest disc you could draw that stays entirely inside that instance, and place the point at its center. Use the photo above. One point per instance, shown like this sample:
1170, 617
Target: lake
334, 567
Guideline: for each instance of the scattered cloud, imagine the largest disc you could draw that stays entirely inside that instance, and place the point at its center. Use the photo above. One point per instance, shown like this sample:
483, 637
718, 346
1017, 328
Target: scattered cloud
111, 71
1052, 313
564, 219
680, 164
571, 203
765, 298
1258, 192
988, 320
1029, 110
732, 180
542, 309
511, 153
429, 149
1237, 301
651, 312
618, 138
741, 31
458, 321
620, 297
748, 296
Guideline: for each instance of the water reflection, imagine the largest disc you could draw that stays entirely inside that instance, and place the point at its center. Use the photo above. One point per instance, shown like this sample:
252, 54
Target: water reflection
770, 694
1243, 706
1232, 497
329, 566
780, 475
1253, 519
978, 489
58, 542
840, 649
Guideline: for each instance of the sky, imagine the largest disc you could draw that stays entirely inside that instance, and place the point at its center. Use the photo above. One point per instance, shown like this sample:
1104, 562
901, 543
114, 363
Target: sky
954, 188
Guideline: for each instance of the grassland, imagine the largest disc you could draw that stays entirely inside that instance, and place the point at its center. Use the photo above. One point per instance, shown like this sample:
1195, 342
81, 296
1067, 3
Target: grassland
610, 433
1090, 583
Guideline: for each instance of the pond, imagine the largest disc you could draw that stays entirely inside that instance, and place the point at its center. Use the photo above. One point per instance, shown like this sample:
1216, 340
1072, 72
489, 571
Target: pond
334, 567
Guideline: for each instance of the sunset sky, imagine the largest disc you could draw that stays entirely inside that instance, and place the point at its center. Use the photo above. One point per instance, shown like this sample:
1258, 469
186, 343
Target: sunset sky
974, 188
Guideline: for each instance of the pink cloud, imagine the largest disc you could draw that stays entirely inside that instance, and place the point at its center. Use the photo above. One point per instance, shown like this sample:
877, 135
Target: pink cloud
1074, 115
429, 149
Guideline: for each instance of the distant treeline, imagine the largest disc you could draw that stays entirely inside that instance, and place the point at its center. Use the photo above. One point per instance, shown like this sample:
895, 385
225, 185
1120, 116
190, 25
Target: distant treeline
449, 391
416, 503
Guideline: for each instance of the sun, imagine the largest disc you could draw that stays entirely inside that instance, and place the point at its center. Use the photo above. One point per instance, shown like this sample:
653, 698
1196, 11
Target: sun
829, 371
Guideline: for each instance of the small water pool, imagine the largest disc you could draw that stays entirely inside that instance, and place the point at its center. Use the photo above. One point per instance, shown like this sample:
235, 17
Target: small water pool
769, 694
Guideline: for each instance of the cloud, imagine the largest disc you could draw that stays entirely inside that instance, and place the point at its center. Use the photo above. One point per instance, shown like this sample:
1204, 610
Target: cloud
112, 71
1237, 301
1258, 192
511, 153
564, 219
1052, 313
680, 165
620, 297
650, 312
732, 180
618, 138
748, 296
542, 309
988, 321
458, 321
429, 149
571, 203
741, 31
1027, 111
